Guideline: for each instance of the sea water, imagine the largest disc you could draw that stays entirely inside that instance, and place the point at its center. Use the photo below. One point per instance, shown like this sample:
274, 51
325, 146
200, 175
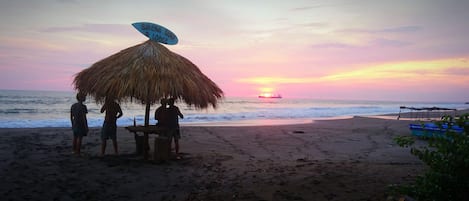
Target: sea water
30, 109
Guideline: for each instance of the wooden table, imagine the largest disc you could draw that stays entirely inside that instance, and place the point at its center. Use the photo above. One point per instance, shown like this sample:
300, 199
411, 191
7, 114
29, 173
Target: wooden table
152, 129
146, 130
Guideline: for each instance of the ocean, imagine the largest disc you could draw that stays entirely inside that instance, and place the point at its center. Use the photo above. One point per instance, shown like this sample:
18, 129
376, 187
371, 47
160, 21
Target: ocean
31, 109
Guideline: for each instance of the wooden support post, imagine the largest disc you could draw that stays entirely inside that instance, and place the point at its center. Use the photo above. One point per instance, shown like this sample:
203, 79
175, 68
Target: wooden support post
145, 134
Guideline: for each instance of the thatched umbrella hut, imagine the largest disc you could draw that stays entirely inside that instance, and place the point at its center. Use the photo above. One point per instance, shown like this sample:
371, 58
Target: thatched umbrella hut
148, 72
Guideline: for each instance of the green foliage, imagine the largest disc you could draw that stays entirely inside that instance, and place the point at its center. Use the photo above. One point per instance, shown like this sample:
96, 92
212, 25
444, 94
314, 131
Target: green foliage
404, 141
447, 157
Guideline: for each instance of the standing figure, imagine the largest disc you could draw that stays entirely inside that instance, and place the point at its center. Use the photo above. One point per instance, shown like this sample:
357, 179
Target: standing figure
160, 114
173, 113
109, 130
79, 122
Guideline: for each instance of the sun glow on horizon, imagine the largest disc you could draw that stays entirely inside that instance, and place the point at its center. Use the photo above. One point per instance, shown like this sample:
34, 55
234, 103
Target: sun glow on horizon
266, 91
266, 94
456, 68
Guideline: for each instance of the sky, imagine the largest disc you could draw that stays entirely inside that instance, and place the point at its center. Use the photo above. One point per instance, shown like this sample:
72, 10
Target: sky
403, 50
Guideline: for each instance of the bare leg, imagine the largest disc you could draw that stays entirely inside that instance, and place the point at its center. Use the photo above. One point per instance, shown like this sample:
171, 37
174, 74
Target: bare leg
176, 147
78, 146
103, 147
170, 144
74, 145
114, 143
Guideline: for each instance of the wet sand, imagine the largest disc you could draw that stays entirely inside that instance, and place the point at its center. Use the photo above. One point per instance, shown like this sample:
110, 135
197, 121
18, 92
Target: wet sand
347, 159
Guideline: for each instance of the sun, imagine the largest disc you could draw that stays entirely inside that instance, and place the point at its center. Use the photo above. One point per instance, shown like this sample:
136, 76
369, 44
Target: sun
267, 95
264, 90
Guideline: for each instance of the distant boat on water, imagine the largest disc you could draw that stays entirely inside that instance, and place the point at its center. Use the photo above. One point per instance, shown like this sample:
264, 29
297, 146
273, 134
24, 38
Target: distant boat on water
269, 95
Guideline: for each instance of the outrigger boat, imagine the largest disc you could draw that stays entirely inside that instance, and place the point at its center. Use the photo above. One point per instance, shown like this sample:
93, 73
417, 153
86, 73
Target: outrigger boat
421, 111
430, 129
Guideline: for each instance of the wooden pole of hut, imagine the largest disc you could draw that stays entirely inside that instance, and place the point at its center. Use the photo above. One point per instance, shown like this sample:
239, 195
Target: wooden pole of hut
145, 134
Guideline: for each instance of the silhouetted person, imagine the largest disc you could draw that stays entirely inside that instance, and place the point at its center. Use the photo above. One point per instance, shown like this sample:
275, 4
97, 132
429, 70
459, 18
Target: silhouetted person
79, 122
160, 114
109, 130
173, 113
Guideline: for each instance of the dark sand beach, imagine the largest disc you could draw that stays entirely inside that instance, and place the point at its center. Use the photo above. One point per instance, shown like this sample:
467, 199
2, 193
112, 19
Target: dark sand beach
348, 159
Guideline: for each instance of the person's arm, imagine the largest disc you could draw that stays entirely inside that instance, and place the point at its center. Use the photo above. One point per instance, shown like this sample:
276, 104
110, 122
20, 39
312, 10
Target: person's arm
157, 112
86, 120
119, 111
103, 108
71, 116
179, 113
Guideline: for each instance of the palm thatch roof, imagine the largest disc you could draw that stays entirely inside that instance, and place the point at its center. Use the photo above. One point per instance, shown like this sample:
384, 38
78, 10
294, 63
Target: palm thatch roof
148, 72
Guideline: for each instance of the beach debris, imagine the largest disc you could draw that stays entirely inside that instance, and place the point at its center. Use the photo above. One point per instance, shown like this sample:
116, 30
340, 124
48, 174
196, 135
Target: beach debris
302, 160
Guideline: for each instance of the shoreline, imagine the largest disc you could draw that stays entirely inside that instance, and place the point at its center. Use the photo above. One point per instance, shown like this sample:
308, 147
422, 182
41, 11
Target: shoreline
404, 116
342, 159
261, 122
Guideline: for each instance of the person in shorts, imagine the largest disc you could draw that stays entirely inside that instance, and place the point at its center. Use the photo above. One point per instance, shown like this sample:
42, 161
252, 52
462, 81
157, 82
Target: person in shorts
109, 130
79, 122
173, 114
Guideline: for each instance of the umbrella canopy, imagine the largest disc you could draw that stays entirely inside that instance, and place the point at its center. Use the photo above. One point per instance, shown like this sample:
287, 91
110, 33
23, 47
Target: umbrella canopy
148, 72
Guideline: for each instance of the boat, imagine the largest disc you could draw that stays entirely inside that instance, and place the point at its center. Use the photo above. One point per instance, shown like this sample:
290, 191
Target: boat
270, 96
433, 130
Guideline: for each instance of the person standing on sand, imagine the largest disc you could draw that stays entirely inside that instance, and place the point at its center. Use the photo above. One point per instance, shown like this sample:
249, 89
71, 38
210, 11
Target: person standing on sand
109, 130
79, 122
173, 113
160, 115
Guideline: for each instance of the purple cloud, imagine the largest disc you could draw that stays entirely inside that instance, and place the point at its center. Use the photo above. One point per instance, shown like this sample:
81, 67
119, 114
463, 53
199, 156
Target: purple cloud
67, 1
333, 46
390, 43
401, 29
92, 28
461, 70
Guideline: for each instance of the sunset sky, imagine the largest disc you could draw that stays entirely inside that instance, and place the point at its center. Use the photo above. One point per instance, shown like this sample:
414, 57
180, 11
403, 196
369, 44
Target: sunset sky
326, 49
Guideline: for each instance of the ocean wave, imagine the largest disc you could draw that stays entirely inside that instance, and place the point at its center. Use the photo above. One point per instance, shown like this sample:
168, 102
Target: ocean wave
23, 109
18, 111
